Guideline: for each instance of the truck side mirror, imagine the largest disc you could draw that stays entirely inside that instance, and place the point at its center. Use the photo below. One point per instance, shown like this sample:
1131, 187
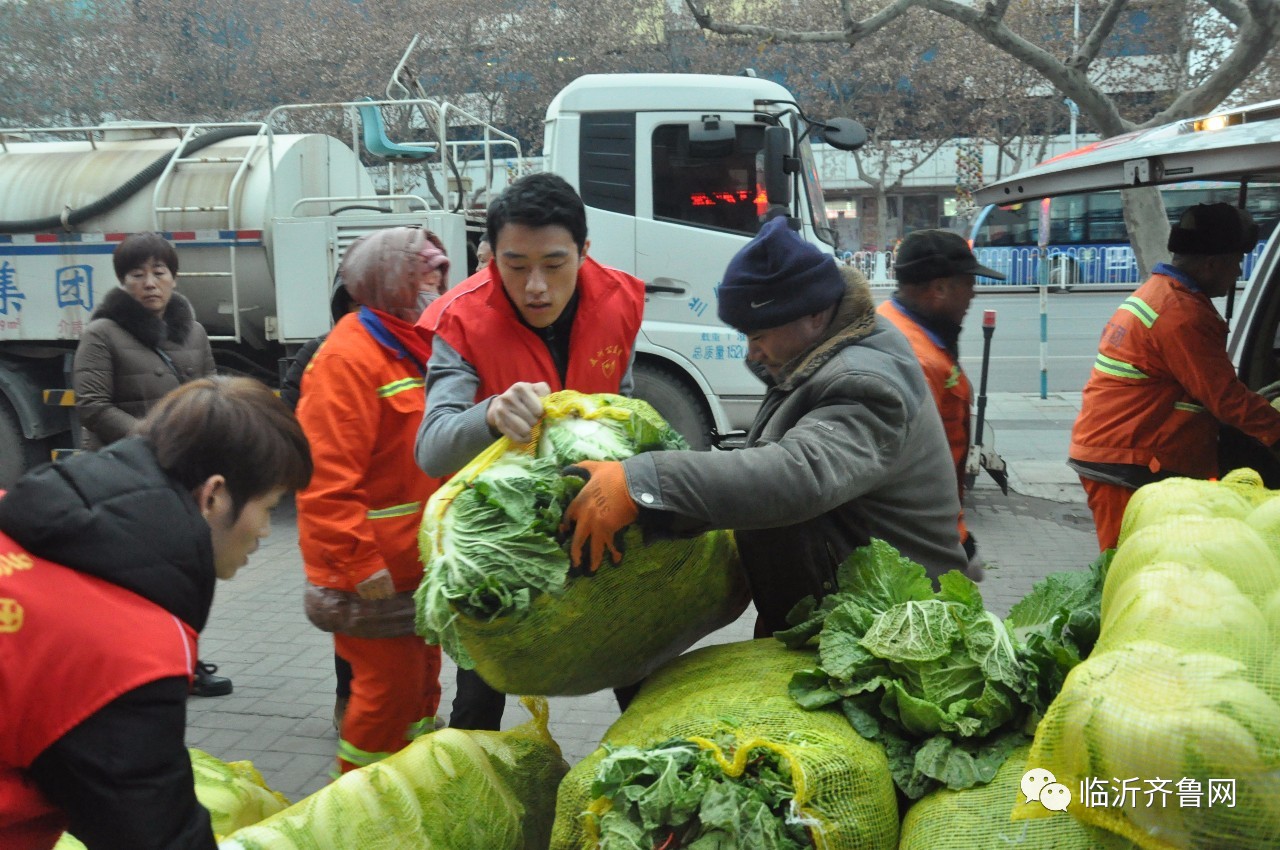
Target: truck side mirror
844, 134
779, 164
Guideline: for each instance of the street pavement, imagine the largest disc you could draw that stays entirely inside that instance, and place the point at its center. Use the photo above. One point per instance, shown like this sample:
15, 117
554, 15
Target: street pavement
280, 713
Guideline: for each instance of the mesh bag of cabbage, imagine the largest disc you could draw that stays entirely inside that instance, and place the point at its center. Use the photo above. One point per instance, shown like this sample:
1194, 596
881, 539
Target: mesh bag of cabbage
978, 818
458, 789
1235, 496
496, 593
843, 791
1169, 734
234, 792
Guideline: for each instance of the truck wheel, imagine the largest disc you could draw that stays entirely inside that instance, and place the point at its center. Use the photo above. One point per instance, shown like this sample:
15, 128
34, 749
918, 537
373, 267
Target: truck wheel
678, 403
17, 453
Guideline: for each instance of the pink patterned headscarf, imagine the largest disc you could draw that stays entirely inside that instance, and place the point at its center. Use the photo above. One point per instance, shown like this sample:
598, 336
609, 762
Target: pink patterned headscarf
383, 269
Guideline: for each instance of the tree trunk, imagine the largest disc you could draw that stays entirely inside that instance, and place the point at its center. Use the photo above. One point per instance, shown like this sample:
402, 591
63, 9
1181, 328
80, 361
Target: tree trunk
1148, 226
882, 218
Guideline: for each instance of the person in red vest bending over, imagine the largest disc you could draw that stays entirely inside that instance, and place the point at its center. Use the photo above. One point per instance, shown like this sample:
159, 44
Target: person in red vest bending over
542, 316
937, 273
107, 568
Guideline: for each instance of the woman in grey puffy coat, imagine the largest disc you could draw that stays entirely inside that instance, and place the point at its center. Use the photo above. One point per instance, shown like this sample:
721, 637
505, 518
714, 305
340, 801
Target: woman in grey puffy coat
143, 341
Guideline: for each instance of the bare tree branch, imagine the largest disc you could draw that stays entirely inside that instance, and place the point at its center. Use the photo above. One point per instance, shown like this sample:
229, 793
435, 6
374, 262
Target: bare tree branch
1255, 40
853, 32
1088, 51
1233, 10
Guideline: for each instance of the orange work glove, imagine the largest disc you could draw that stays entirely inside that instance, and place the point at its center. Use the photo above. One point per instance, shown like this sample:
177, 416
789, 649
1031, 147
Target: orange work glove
599, 513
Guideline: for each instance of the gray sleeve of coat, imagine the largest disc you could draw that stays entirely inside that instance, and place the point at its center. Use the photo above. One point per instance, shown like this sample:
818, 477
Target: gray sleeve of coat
453, 429
93, 379
627, 386
837, 452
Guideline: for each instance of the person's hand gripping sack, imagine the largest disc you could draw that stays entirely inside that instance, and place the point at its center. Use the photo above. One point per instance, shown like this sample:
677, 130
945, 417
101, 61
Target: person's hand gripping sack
598, 514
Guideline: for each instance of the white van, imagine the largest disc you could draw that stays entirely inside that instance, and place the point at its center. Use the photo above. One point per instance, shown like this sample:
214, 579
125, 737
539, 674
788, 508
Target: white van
1240, 145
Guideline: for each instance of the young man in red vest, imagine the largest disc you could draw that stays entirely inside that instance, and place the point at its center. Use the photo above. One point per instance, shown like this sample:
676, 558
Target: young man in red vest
107, 568
937, 273
542, 316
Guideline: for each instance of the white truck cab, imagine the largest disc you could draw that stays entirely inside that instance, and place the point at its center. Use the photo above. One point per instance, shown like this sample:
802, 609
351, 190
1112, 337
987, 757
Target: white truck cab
672, 169
1238, 145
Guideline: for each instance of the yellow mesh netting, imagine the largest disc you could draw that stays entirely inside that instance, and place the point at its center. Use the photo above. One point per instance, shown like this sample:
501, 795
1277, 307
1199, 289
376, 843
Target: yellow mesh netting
978, 819
234, 792
453, 789
1169, 733
841, 780
611, 629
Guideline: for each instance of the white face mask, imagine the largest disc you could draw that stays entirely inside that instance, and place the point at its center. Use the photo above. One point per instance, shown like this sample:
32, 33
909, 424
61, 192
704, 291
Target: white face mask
424, 300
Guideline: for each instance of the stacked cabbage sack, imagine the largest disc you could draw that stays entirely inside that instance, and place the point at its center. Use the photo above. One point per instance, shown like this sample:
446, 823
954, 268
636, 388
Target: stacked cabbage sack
451, 789
731, 700
233, 792
978, 818
1169, 733
496, 592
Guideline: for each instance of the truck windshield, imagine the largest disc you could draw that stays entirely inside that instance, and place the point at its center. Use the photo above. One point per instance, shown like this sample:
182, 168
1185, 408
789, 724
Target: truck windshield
813, 188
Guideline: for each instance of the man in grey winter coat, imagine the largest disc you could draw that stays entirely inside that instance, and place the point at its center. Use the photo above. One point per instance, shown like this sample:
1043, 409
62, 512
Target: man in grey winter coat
848, 444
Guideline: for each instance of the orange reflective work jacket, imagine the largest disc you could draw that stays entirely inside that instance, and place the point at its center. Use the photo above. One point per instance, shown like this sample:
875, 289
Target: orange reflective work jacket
60, 666
479, 321
1162, 382
362, 403
948, 382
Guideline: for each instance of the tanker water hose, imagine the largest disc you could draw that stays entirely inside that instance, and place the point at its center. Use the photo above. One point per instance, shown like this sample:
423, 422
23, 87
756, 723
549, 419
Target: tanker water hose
70, 218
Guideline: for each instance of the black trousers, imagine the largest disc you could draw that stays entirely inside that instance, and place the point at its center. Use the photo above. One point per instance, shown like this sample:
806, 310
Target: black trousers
342, 672
478, 706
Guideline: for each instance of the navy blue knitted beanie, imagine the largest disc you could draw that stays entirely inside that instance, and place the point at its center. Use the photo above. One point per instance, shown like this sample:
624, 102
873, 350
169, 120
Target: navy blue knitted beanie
777, 278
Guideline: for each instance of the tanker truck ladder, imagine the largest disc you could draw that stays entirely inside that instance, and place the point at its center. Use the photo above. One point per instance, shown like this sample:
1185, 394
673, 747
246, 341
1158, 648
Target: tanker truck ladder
200, 159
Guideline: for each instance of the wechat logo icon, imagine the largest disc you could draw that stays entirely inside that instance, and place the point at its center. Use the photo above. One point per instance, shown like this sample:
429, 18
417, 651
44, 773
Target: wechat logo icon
1041, 786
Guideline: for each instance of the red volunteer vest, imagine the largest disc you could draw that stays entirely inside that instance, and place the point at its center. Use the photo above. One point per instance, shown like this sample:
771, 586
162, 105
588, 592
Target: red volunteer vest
478, 320
69, 644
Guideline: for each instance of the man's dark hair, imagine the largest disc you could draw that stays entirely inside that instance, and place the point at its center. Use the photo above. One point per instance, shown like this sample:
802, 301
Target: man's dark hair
538, 200
140, 247
233, 427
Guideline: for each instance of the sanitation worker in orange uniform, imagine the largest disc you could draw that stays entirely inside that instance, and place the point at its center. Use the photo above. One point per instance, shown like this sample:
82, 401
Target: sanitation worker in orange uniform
107, 568
542, 316
358, 520
1162, 381
937, 273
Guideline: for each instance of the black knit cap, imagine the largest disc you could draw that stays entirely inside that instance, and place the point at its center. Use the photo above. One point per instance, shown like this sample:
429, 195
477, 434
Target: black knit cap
777, 278
926, 255
1213, 229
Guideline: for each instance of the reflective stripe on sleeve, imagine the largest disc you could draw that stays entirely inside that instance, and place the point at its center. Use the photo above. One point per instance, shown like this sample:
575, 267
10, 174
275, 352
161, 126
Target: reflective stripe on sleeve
387, 390
1118, 368
1141, 309
394, 511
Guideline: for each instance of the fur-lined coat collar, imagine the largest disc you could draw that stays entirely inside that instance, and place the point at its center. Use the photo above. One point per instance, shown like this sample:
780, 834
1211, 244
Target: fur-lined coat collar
127, 312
